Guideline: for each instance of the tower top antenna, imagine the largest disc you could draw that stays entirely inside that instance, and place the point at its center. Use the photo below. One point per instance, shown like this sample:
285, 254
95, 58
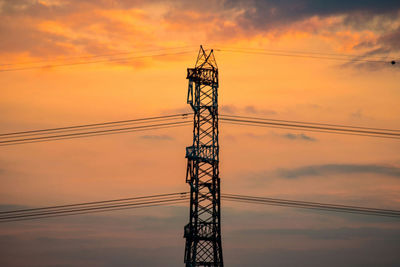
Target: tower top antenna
206, 61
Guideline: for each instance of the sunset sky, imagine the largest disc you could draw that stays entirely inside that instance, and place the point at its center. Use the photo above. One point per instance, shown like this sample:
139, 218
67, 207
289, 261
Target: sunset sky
45, 82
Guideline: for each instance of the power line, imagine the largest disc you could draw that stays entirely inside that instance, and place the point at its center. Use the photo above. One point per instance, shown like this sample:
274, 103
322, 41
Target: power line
94, 133
219, 48
92, 206
112, 60
313, 205
181, 115
97, 55
178, 120
130, 206
180, 197
96, 129
93, 128
309, 127
302, 55
101, 134
308, 130
93, 203
271, 52
311, 123
306, 52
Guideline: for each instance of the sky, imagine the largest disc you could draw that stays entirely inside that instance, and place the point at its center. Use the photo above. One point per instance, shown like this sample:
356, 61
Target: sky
36, 35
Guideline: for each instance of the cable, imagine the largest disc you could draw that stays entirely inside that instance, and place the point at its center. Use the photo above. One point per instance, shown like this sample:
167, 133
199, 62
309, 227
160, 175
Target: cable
118, 60
95, 211
88, 130
256, 198
313, 205
314, 208
218, 48
177, 120
311, 123
307, 130
92, 206
93, 128
95, 202
287, 53
183, 115
97, 55
304, 55
352, 131
91, 134
180, 197
305, 52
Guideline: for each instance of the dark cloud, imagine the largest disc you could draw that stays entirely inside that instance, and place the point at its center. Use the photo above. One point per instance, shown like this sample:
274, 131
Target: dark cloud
363, 247
6, 207
86, 251
109, 239
380, 52
390, 41
133, 239
247, 18
387, 42
261, 16
320, 170
343, 233
299, 137
272, 13
374, 66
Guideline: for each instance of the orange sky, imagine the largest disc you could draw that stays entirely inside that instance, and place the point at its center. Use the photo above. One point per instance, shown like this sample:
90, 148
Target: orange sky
254, 161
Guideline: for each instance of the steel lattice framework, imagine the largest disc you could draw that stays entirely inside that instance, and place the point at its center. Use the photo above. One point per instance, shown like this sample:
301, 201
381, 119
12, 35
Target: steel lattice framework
203, 232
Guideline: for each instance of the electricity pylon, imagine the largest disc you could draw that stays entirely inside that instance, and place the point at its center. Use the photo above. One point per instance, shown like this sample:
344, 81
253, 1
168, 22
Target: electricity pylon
203, 232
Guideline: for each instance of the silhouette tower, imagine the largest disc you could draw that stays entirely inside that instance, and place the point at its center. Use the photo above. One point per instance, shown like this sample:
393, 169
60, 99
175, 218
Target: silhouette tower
203, 232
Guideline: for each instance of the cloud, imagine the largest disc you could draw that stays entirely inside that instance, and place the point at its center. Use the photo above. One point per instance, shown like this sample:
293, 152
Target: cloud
299, 137
9, 207
58, 29
254, 110
357, 114
157, 137
263, 14
120, 238
290, 136
95, 240
104, 26
229, 109
350, 24
328, 169
391, 40
343, 233
387, 42
380, 51
249, 109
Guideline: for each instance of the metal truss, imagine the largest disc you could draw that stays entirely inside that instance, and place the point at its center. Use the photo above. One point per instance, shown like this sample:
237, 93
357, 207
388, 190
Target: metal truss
203, 232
